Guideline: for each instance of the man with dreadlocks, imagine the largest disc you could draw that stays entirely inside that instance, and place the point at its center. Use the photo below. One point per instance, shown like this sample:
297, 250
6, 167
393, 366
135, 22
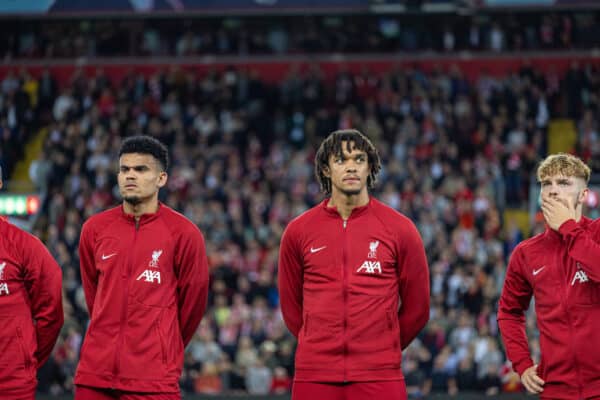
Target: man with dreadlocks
353, 281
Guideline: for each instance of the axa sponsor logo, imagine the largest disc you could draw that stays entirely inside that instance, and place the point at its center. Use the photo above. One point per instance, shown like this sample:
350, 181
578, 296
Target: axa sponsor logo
580, 276
370, 267
4, 289
3, 285
149, 276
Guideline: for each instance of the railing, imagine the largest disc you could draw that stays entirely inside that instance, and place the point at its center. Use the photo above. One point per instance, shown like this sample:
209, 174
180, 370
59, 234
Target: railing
275, 68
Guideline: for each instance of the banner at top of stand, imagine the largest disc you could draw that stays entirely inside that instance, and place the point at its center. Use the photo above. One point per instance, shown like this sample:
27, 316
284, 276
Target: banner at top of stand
166, 6
530, 3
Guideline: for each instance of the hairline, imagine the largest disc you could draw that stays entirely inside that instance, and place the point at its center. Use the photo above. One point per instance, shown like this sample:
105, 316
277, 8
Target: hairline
156, 160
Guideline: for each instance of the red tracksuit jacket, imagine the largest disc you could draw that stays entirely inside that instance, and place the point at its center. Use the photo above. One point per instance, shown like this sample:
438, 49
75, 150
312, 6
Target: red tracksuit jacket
561, 270
354, 293
31, 313
146, 287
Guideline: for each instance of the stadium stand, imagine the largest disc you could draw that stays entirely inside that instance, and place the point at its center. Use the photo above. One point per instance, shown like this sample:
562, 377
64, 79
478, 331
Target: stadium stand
457, 148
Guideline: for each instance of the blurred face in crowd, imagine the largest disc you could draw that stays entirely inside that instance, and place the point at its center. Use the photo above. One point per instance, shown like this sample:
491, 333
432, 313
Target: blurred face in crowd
140, 177
349, 171
569, 190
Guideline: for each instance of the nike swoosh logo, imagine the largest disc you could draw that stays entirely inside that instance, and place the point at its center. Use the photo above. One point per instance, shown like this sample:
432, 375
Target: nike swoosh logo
317, 249
108, 256
537, 271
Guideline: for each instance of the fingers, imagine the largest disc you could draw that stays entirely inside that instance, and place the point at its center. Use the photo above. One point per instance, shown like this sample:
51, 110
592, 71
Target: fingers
547, 210
532, 382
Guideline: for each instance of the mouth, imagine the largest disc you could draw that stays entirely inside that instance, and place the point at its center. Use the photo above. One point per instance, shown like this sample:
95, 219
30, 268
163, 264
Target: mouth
351, 179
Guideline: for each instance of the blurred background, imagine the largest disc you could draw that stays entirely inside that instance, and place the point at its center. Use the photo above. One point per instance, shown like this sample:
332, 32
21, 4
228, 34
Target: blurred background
461, 97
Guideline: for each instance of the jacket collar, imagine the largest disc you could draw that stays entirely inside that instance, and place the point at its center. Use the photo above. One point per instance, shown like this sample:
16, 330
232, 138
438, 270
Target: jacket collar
144, 218
356, 211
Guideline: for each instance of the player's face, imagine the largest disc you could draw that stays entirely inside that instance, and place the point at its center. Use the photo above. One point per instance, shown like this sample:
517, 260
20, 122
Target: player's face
349, 172
140, 177
569, 190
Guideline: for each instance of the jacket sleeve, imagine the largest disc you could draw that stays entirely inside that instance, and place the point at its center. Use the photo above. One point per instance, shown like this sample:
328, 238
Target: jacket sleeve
290, 281
192, 282
583, 246
87, 266
514, 301
413, 282
43, 282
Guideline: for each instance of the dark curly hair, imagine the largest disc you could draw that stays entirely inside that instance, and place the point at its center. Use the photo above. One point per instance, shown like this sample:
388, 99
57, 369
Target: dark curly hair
332, 145
146, 145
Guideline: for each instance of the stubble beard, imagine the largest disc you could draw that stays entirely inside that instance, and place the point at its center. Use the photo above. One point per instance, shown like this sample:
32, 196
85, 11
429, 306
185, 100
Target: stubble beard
351, 192
133, 200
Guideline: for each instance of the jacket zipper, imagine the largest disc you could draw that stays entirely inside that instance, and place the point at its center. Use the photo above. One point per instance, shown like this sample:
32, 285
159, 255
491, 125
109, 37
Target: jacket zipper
125, 276
345, 296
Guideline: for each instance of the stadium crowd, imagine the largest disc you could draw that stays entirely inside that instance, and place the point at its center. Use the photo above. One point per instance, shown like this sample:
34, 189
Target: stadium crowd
495, 32
455, 153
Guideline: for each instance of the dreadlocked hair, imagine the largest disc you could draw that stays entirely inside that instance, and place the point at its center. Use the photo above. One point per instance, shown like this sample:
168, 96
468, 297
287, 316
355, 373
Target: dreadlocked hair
332, 145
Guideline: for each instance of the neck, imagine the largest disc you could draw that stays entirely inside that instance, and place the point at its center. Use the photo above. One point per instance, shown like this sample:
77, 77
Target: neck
346, 203
578, 213
146, 207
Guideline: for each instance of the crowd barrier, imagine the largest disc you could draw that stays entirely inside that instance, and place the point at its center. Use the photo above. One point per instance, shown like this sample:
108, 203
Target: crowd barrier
274, 69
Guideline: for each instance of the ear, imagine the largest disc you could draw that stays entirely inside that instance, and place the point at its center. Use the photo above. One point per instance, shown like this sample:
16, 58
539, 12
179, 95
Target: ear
582, 196
162, 179
326, 171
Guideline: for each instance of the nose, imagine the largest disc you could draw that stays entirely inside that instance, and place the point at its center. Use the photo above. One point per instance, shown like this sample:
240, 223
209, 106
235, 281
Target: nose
351, 166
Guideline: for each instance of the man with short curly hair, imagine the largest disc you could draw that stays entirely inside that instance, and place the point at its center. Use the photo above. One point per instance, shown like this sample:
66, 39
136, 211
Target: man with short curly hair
145, 275
353, 281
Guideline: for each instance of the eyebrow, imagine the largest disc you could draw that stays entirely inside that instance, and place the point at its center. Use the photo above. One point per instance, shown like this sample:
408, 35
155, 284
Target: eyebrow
139, 166
360, 153
559, 180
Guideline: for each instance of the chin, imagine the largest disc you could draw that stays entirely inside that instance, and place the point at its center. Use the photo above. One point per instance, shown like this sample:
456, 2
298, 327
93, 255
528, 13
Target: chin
133, 200
352, 192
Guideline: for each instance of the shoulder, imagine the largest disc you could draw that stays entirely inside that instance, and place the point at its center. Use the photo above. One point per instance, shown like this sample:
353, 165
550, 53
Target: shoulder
20, 241
102, 219
392, 218
303, 220
16, 235
178, 223
529, 250
533, 243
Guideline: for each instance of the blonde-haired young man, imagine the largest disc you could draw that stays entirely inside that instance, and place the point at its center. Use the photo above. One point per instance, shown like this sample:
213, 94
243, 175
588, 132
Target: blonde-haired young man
560, 268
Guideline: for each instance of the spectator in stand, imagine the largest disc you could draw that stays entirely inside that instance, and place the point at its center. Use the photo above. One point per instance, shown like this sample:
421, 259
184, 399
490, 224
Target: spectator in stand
244, 222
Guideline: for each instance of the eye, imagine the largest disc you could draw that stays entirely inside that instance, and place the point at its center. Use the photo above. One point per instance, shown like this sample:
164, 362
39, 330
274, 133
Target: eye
338, 160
